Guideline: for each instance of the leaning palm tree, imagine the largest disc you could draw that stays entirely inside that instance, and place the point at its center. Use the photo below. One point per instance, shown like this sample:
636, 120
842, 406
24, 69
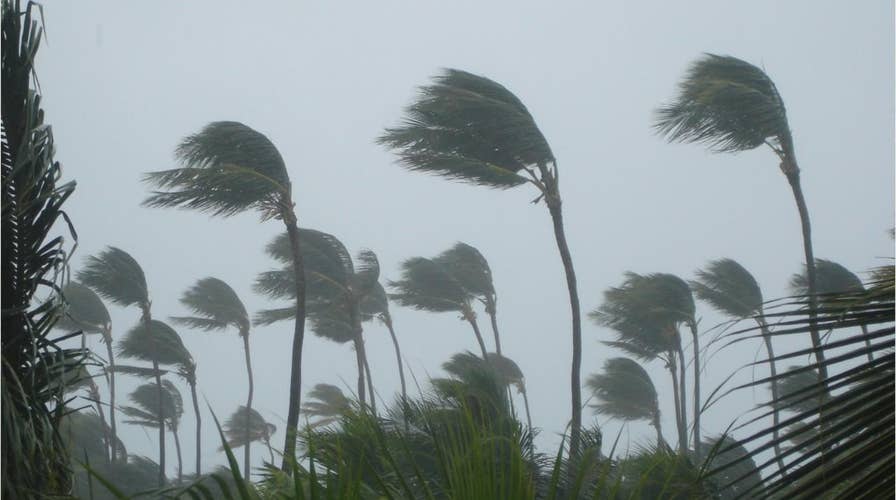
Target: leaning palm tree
217, 307
84, 311
471, 269
239, 434
624, 391
229, 168
117, 277
376, 305
335, 290
832, 279
148, 413
428, 285
327, 404
731, 105
729, 288
157, 343
469, 128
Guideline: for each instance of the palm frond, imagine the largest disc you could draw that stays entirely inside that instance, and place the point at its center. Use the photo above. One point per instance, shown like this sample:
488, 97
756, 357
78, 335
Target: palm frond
227, 168
367, 273
469, 267
468, 128
235, 428
375, 303
156, 342
333, 322
426, 285
138, 371
831, 279
728, 287
325, 403
216, 306
624, 391
727, 104
83, 310
115, 276
146, 412
270, 316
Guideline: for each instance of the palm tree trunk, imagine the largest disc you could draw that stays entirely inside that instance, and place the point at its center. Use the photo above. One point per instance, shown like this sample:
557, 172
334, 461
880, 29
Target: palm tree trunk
180, 468
697, 408
359, 358
867, 343
270, 450
682, 433
198, 428
471, 318
246, 452
683, 394
295, 379
491, 310
369, 376
659, 431
526, 406
552, 199
155, 366
404, 389
95, 395
772, 366
107, 337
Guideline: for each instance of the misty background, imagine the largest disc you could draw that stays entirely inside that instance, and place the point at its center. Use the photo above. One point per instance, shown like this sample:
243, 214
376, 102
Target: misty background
124, 82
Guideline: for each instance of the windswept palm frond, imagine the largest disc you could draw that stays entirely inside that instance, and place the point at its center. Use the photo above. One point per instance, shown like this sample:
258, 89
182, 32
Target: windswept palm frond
832, 278
469, 267
367, 273
239, 434
727, 104
228, 168
428, 286
83, 310
729, 288
215, 305
624, 391
146, 412
375, 303
325, 404
115, 276
469, 128
156, 342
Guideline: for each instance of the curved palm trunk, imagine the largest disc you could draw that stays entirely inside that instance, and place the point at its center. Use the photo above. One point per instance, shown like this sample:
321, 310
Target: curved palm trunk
359, 358
107, 338
404, 390
155, 366
772, 366
295, 380
246, 452
681, 427
697, 408
95, 395
270, 450
198, 428
180, 468
491, 310
526, 406
471, 318
369, 376
659, 431
683, 394
552, 199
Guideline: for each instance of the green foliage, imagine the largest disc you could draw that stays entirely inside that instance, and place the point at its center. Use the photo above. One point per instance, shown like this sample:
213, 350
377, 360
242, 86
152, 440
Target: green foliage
146, 412
832, 279
427, 285
326, 404
116, 276
624, 391
469, 267
156, 342
83, 310
235, 428
215, 305
729, 288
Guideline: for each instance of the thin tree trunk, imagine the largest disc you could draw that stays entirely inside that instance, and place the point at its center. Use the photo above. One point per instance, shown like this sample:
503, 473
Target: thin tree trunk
471, 318
659, 431
867, 343
95, 395
198, 428
772, 366
491, 310
697, 408
180, 468
368, 375
404, 389
270, 450
295, 380
359, 358
155, 366
552, 198
526, 406
683, 392
682, 433
107, 338
246, 452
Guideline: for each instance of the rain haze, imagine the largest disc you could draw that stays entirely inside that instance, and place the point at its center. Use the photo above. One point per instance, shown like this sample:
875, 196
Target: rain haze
125, 82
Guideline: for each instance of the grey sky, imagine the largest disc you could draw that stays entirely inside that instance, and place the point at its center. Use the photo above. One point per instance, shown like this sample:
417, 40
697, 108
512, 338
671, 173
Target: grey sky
123, 82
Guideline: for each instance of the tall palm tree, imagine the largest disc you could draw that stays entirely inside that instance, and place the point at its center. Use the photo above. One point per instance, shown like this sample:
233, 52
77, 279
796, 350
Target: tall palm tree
625, 392
84, 311
229, 168
376, 305
471, 269
832, 279
731, 105
159, 344
239, 434
117, 277
729, 288
428, 285
326, 403
335, 289
148, 413
469, 128
217, 307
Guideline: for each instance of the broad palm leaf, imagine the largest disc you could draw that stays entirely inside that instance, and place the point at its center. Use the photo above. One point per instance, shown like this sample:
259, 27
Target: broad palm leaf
246, 425
429, 285
729, 288
229, 168
624, 391
731, 105
469, 128
148, 412
326, 404
216, 307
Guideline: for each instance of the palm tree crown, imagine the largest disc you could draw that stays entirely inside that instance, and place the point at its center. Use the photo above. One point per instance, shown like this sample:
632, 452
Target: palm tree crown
157, 343
326, 404
117, 277
624, 391
215, 306
728, 287
84, 310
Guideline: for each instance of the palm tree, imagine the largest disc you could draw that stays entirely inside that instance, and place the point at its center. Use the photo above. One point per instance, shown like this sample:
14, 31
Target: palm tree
645, 313
84, 311
624, 391
217, 307
731, 105
148, 413
832, 279
159, 344
729, 288
335, 290
376, 305
469, 128
117, 277
239, 434
229, 168
327, 404
428, 285
471, 269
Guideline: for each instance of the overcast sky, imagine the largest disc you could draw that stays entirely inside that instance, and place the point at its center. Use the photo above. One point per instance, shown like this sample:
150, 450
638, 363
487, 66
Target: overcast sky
124, 82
